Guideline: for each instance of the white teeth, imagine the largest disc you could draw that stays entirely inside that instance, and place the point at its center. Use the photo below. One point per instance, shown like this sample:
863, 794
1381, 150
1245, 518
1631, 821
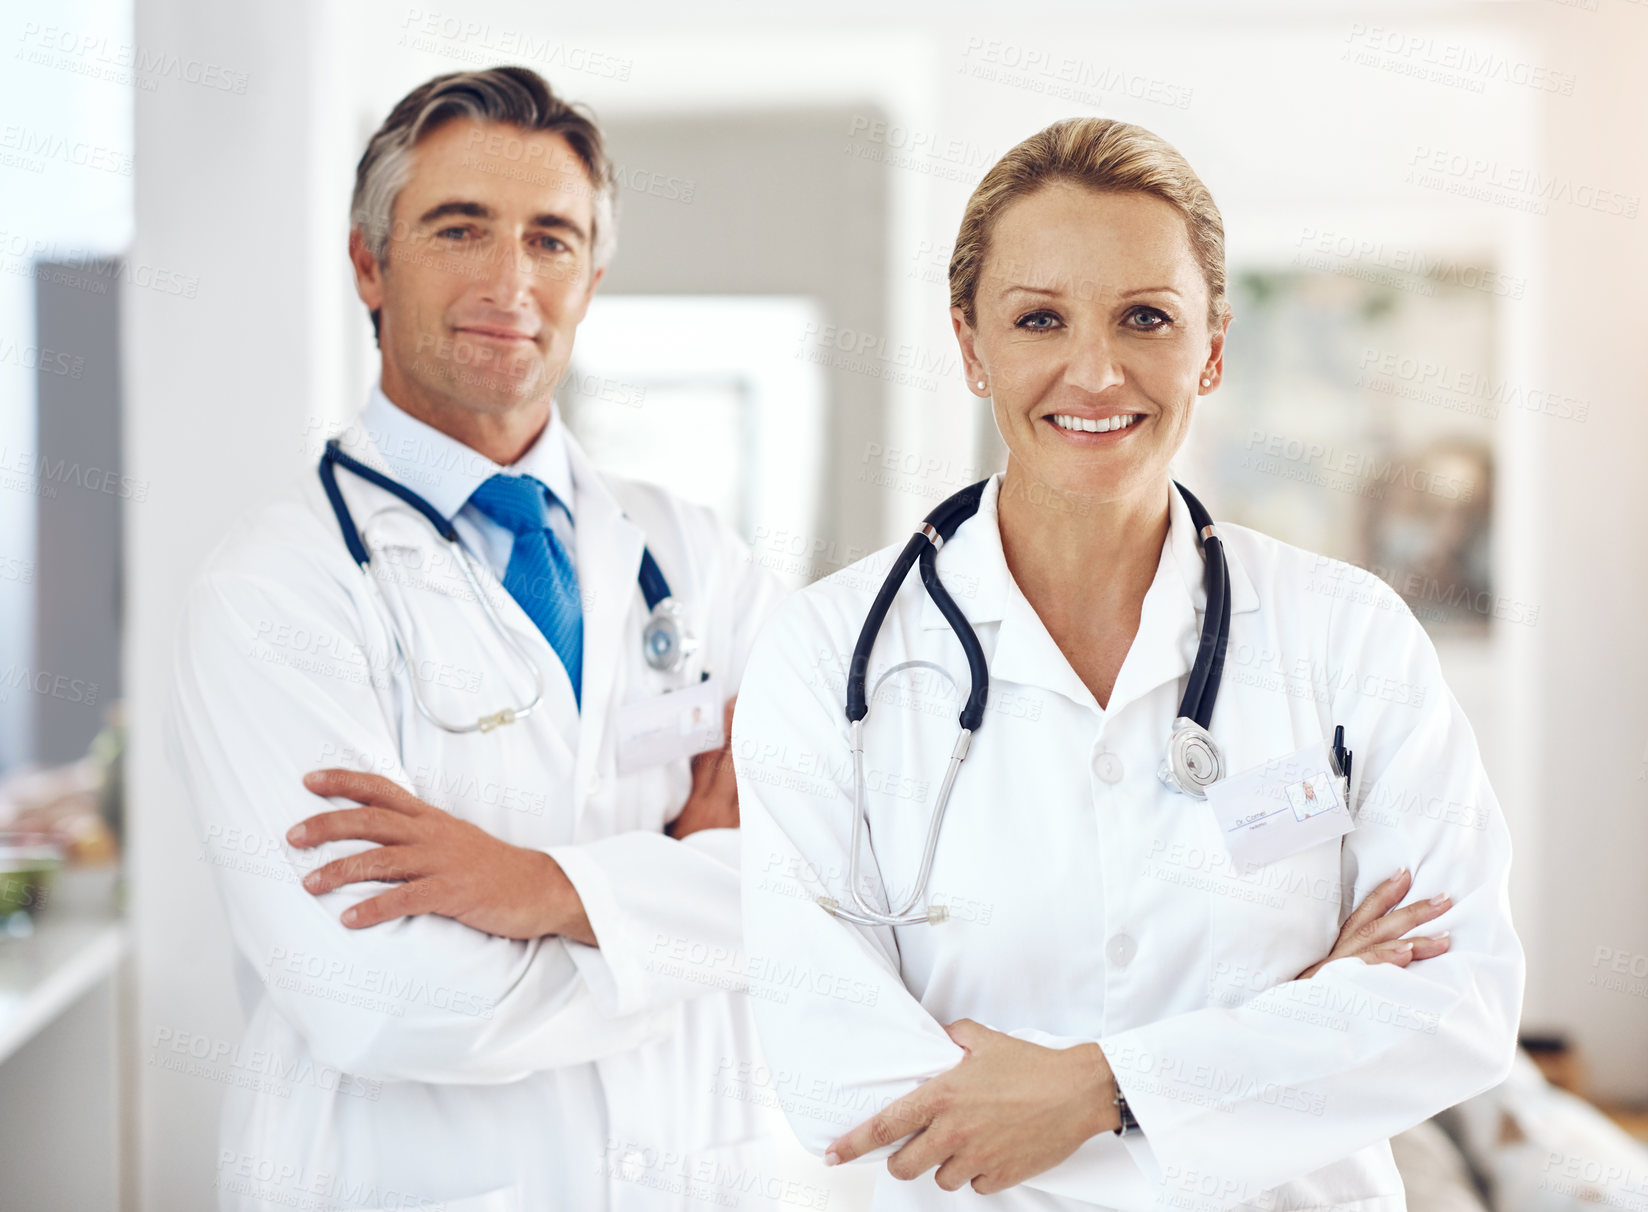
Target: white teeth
1089, 425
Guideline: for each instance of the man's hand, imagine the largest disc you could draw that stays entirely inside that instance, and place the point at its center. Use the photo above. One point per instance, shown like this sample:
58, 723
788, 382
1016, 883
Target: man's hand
1374, 931
713, 801
1008, 1111
447, 866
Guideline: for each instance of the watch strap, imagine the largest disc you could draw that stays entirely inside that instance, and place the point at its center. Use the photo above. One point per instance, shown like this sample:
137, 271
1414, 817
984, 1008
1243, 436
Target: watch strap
1128, 1124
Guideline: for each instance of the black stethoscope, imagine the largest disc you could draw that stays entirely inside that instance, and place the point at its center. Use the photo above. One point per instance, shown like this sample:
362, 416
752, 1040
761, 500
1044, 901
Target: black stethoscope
666, 640
1193, 760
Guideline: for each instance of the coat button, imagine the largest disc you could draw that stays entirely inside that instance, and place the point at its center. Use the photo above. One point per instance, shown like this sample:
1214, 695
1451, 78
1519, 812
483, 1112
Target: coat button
1120, 949
1108, 767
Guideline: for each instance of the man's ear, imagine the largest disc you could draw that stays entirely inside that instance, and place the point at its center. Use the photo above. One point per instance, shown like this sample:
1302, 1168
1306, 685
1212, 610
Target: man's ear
368, 273
594, 281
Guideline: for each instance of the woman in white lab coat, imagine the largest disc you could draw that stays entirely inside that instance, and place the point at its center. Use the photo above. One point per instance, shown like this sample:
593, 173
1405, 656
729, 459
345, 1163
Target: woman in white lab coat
1101, 938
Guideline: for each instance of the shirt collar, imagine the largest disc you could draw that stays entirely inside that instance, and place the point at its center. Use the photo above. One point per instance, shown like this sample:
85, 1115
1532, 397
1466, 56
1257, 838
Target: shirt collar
443, 470
974, 570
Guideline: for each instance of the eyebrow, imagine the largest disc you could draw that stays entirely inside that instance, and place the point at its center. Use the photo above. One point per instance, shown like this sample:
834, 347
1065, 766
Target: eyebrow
1126, 294
479, 210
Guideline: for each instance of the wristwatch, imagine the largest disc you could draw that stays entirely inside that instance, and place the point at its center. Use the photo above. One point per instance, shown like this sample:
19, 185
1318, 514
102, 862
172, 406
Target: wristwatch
1128, 1124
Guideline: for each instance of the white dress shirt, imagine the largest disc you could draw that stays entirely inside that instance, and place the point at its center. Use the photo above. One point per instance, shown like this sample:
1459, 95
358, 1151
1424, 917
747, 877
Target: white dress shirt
445, 473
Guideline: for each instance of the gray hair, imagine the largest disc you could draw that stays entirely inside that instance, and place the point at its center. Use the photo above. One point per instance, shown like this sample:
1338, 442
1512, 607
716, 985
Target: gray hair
512, 96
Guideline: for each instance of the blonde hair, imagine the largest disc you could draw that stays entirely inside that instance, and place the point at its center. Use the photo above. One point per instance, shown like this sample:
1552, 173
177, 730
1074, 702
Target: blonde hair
1100, 154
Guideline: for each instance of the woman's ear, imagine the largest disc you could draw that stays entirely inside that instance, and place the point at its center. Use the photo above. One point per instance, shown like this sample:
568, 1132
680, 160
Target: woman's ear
1215, 368
978, 381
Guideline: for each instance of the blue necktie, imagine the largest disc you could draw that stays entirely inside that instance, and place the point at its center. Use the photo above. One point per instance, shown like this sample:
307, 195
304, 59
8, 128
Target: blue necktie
540, 575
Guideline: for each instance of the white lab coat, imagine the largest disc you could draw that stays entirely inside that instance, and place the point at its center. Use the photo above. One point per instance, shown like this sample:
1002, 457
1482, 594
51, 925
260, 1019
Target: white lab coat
421, 1063
1089, 902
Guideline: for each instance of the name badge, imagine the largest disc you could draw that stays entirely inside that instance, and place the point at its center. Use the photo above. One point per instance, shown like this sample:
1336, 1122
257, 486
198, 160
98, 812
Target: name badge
670, 726
1281, 807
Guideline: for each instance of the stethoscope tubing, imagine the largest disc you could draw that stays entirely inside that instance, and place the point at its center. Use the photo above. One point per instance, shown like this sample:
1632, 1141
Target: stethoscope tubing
939, 527
654, 587
1205, 674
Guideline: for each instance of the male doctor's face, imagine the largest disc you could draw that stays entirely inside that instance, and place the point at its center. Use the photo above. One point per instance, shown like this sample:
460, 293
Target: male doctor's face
1091, 310
488, 269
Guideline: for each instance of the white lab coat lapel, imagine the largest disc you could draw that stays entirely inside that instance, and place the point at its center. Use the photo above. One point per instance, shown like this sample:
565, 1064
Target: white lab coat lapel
1027, 653
609, 562
558, 707
1170, 624
973, 568
1164, 648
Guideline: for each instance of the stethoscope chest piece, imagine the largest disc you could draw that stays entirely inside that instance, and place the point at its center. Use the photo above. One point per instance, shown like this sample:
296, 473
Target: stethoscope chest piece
1194, 762
665, 639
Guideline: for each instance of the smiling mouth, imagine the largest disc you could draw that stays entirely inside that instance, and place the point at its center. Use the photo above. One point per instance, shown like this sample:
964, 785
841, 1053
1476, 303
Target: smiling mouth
1074, 424
495, 334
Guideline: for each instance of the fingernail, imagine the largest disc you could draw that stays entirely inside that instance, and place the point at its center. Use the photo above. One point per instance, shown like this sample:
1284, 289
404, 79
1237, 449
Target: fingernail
832, 1159
313, 779
1441, 898
1440, 938
1400, 872
312, 880
1405, 945
295, 835
349, 916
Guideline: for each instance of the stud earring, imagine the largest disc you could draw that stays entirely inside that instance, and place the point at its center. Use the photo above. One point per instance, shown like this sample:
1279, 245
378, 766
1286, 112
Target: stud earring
981, 384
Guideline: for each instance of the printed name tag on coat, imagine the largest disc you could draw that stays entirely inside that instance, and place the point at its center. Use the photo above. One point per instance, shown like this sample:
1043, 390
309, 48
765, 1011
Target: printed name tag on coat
1281, 807
670, 726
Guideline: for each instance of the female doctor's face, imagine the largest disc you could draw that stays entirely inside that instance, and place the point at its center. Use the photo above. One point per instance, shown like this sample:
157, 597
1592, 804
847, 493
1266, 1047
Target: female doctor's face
488, 268
1092, 339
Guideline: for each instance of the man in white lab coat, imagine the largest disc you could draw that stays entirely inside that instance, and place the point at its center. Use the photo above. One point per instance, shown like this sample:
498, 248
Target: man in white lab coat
510, 979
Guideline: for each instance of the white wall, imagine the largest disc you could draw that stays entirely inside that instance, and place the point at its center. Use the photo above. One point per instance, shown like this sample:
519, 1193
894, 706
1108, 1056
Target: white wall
250, 192
239, 190
65, 195
1593, 646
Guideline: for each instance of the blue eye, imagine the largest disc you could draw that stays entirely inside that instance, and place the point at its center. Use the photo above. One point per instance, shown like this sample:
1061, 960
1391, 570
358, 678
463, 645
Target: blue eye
1162, 319
1028, 321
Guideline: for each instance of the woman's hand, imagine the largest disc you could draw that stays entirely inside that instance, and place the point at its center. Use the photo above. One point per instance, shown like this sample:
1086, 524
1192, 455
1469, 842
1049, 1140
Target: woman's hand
1373, 931
1009, 1110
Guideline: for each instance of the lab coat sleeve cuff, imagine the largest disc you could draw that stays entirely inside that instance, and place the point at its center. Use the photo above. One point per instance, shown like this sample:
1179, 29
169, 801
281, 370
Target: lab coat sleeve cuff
1136, 1144
1138, 1147
614, 984
1101, 1164
665, 915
